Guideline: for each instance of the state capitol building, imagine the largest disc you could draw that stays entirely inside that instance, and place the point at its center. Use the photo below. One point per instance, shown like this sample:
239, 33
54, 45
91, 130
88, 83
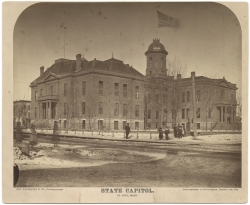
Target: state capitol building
82, 94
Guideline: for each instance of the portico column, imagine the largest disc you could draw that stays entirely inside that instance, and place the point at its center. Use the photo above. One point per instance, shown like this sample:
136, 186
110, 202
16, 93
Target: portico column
49, 117
221, 113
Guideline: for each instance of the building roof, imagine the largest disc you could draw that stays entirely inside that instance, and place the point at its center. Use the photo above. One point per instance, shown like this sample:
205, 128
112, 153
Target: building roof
156, 47
203, 79
65, 66
22, 101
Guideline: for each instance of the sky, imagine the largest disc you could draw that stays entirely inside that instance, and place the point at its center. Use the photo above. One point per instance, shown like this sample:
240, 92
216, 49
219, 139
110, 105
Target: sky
208, 39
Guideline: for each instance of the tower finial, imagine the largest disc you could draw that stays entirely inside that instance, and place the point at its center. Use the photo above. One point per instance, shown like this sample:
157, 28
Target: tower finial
112, 55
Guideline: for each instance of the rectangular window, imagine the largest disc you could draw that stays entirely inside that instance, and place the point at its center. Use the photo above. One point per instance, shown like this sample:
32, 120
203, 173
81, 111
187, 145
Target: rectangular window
35, 112
100, 124
28, 107
116, 125
183, 96
183, 113
209, 112
149, 114
83, 108
100, 87
125, 90
137, 125
28, 114
65, 109
84, 88
125, 109
149, 97
65, 124
156, 114
187, 113
188, 96
83, 124
157, 98
41, 92
198, 114
232, 96
124, 123
137, 110
65, 89
198, 95
100, 108
36, 95
164, 98
222, 94
116, 89
149, 125
136, 91
116, 110
198, 126
51, 89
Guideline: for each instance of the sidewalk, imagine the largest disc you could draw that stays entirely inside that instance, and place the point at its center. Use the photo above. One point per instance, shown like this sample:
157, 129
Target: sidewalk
153, 138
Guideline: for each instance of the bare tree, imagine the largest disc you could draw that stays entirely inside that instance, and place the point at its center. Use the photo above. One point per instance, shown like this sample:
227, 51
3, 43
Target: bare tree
91, 109
175, 67
21, 112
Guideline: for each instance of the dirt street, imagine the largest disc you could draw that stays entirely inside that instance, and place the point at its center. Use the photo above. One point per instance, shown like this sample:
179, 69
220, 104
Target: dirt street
121, 164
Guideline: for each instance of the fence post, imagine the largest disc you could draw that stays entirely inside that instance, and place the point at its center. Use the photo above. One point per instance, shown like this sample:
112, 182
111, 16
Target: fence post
92, 131
150, 134
113, 134
137, 134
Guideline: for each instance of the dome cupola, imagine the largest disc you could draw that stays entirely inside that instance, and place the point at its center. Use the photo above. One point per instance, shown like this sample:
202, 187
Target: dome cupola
156, 47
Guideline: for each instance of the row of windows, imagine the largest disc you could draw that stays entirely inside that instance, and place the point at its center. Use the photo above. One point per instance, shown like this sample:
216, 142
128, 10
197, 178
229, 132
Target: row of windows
157, 98
185, 113
100, 124
100, 109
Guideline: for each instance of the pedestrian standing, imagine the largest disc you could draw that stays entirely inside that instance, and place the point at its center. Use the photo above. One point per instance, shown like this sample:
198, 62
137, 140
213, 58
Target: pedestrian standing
160, 134
175, 130
179, 131
55, 137
127, 130
33, 136
166, 133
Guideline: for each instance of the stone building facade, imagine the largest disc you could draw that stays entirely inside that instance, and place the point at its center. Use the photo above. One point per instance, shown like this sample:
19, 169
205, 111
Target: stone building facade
85, 94
96, 94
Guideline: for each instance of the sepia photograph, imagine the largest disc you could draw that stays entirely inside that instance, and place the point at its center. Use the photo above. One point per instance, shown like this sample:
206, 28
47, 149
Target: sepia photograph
126, 100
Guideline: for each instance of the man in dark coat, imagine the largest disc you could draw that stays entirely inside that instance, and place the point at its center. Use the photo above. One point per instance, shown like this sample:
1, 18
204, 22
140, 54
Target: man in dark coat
179, 131
160, 134
175, 130
127, 129
166, 133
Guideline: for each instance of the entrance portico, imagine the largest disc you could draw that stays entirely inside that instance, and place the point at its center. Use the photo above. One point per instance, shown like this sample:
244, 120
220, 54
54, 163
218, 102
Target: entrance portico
225, 111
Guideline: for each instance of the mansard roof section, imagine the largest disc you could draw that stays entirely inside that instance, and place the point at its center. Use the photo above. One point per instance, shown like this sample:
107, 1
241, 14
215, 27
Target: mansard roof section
205, 80
111, 65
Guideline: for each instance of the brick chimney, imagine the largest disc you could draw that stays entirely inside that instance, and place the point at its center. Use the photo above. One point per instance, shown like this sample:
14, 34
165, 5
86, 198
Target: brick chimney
178, 76
78, 61
41, 70
193, 74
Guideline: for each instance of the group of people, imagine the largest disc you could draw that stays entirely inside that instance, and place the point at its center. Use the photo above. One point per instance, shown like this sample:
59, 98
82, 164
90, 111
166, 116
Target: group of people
55, 137
166, 132
179, 131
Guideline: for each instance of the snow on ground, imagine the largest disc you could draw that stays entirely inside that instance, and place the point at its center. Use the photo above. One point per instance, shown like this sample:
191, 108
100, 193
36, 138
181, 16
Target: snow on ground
45, 155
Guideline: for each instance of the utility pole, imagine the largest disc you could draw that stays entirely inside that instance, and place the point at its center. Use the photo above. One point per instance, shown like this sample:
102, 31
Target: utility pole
194, 104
